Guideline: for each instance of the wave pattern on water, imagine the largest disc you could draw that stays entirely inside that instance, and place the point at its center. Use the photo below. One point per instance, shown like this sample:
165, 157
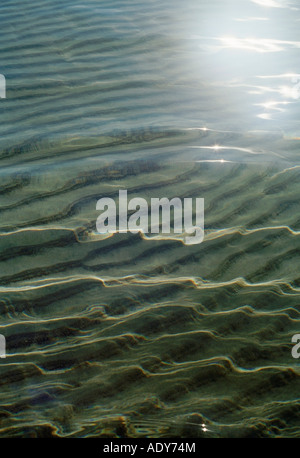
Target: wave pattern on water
133, 335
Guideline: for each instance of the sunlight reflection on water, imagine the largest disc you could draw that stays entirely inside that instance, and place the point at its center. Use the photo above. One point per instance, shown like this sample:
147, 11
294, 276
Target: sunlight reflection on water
260, 40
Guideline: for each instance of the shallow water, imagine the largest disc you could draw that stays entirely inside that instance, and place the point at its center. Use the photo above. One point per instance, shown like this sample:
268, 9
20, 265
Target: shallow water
134, 335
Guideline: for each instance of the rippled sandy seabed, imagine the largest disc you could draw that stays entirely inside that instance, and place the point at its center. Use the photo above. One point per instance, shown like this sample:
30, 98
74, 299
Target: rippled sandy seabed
133, 336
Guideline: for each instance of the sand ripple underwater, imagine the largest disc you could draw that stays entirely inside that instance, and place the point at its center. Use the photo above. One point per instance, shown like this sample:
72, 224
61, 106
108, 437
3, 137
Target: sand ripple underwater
135, 335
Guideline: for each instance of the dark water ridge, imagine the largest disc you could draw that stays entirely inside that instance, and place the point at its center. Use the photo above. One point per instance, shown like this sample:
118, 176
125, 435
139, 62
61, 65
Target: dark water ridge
135, 335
